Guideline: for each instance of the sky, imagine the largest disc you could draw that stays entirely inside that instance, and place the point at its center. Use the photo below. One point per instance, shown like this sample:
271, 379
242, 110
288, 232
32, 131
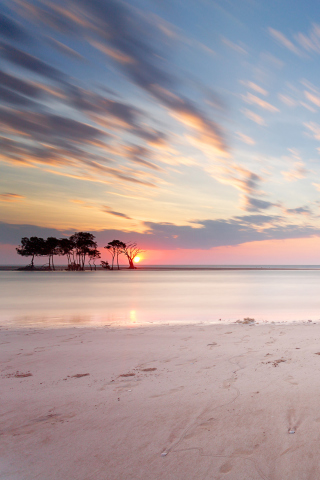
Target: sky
189, 127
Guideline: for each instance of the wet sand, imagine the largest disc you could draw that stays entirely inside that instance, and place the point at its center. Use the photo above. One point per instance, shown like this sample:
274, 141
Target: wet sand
168, 402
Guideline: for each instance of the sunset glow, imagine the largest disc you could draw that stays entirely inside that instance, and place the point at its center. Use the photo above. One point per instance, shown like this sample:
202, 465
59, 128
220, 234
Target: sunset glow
204, 138
136, 259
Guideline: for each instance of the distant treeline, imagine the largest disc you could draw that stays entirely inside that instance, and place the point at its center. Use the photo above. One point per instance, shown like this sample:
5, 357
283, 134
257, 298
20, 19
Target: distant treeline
78, 248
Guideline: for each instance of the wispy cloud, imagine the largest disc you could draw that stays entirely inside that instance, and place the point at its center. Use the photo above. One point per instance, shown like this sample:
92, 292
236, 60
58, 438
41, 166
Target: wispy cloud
284, 41
314, 128
287, 100
311, 41
254, 100
245, 138
254, 117
10, 197
256, 88
298, 172
235, 46
298, 211
109, 210
252, 204
315, 99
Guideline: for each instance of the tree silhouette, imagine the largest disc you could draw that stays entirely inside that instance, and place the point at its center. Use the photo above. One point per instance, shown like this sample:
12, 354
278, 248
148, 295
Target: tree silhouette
105, 265
31, 247
131, 250
51, 248
116, 247
66, 247
93, 254
83, 243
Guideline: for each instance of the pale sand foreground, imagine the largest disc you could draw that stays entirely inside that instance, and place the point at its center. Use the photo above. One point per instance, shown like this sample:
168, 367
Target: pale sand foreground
215, 401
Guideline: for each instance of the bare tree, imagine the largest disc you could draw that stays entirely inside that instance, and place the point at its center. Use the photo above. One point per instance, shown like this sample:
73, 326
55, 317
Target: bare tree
131, 250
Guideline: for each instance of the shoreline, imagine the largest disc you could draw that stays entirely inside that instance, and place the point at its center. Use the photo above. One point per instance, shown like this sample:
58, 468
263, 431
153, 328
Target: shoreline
164, 268
177, 401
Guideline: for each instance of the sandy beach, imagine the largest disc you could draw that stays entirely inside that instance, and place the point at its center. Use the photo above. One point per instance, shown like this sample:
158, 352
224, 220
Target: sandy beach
165, 402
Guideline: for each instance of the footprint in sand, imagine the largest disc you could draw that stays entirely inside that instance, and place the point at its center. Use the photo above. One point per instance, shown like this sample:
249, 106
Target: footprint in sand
291, 380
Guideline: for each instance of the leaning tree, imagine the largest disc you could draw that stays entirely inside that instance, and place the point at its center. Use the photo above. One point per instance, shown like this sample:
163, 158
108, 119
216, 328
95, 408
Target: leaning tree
131, 250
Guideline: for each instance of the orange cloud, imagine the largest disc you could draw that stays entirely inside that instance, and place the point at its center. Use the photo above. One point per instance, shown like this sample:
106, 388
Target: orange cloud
10, 197
112, 52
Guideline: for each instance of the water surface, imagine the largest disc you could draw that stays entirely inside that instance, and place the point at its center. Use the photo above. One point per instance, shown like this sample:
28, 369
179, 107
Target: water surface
145, 297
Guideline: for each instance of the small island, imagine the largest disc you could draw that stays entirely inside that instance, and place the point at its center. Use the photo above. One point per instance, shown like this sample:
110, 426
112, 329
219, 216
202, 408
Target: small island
78, 248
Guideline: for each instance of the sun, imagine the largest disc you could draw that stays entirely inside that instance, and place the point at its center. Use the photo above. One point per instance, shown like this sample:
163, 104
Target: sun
136, 259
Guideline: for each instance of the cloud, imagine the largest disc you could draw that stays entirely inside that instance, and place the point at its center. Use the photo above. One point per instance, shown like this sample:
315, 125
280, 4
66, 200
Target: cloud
299, 171
19, 85
284, 41
254, 204
289, 101
315, 129
64, 49
10, 197
254, 100
242, 179
14, 98
49, 127
245, 138
29, 62
11, 30
254, 117
138, 47
167, 236
116, 214
234, 46
315, 99
138, 154
54, 16
310, 42
298, 211
256, 88
259, 220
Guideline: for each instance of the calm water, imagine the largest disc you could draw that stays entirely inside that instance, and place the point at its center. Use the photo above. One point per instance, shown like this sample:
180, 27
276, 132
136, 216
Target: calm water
146, 297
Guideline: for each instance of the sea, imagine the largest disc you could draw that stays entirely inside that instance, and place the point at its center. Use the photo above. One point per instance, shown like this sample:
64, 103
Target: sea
159, 296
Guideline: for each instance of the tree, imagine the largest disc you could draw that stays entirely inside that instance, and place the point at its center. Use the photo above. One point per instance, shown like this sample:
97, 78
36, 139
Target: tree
116, 247
31, 247
105, 265
83, 243
93, 255
66, 247
131, 250
51, 248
